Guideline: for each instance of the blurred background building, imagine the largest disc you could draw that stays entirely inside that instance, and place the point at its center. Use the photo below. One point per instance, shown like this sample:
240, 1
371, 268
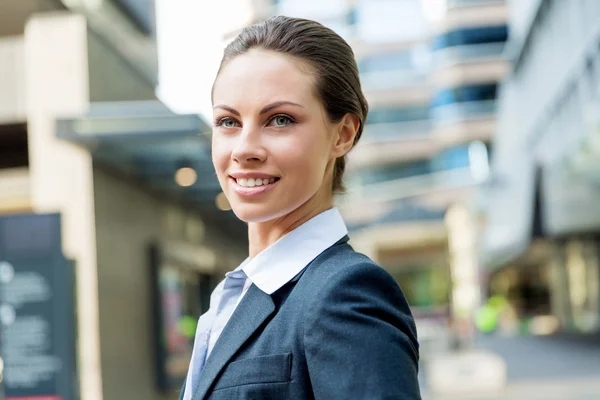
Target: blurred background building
541, 205
476, 178
426, 149
83, 135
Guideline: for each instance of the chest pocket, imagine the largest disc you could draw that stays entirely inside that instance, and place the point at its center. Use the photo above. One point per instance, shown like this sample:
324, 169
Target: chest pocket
275, 368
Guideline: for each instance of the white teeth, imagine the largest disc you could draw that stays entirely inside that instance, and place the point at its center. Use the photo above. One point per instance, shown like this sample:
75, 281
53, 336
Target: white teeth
251, 182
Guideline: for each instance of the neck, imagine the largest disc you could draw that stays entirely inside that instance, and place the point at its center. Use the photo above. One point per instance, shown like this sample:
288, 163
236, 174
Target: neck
263, 234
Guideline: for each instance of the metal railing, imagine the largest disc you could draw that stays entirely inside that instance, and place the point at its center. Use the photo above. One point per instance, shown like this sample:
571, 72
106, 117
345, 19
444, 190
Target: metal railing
470, 3
394, 131
405, 188
410, 213
380, 80
463, 111
470, 52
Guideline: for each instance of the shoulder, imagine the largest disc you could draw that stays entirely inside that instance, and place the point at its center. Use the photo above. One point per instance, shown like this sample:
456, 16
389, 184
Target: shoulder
350, 289
341, 276
341, 264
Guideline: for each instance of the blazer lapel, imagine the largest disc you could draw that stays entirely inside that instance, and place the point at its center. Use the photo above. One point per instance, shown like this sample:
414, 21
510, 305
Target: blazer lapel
255, 307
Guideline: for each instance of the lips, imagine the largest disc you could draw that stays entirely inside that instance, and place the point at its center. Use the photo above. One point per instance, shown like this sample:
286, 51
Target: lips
253, 184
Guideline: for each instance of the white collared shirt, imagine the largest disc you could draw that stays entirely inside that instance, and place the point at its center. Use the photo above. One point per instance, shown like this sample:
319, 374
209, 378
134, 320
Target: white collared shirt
270, 270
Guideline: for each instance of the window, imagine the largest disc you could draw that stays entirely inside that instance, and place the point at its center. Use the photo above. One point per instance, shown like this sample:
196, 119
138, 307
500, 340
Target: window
466, 36
391, 172
451, 158
13, 146
407, 211
386, 62
413, 62
456, 157
465, 93
180, 295
352, 16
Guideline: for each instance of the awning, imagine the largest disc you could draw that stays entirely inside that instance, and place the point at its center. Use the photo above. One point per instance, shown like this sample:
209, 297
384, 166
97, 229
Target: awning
149, 144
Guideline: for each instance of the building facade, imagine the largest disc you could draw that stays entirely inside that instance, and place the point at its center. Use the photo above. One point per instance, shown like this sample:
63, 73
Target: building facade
126, 191
542, 203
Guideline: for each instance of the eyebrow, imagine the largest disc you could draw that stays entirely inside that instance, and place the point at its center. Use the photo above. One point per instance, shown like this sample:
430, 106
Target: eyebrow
271, 106
264, 110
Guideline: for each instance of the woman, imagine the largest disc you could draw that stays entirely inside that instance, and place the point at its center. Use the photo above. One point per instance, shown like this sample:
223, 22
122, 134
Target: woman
305, 316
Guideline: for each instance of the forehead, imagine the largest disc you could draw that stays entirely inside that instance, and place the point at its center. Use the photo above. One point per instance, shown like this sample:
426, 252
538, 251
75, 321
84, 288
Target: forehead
260, 76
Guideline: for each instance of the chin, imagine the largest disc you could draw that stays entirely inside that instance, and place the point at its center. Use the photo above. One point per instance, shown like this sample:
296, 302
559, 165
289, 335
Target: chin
256, 213
252, 213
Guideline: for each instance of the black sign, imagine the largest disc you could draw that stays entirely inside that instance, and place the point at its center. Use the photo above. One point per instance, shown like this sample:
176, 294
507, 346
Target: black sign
37, 319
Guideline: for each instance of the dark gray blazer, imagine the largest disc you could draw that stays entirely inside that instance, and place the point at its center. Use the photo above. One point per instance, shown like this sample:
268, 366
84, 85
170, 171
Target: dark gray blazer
341, 329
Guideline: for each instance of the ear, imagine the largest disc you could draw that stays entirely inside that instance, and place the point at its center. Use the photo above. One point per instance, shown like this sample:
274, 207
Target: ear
347, 129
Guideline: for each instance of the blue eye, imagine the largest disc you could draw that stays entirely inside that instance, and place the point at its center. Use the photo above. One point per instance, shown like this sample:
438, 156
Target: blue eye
228, 123
281, 120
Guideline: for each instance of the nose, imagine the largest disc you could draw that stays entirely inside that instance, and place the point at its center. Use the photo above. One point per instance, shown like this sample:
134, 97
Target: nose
248, 148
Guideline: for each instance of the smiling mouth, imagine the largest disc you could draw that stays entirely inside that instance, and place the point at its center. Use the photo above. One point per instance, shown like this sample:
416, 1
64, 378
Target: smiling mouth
254, 182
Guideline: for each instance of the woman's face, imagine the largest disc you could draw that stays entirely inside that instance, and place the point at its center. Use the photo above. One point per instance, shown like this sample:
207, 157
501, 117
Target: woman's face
273, 145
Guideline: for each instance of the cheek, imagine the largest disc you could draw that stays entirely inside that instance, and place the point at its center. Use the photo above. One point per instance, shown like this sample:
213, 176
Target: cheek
220, 154
305, 158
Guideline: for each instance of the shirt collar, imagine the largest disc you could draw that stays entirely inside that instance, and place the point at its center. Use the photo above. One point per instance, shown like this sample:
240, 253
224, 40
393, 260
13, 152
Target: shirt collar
283, 260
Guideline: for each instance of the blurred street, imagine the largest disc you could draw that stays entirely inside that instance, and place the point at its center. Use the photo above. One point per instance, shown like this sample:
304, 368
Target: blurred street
545, 368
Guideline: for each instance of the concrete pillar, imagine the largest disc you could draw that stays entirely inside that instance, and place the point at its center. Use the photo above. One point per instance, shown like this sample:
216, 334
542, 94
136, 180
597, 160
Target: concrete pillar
576, 265
595, 281
56, 81
592, 273
12, 99
559, 287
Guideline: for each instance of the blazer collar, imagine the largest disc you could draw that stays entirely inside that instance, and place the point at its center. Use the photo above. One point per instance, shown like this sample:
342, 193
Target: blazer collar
343, 240
254, 308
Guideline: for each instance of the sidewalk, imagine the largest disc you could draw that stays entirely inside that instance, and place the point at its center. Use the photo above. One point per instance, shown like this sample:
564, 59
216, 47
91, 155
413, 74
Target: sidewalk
544, 368
584, 389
